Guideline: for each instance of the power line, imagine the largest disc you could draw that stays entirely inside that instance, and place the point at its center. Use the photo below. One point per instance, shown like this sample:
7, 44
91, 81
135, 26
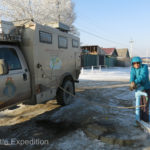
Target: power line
100, 37
103, 38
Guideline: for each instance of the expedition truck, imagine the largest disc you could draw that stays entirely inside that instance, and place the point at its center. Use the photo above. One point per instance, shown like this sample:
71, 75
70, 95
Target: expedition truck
37, 63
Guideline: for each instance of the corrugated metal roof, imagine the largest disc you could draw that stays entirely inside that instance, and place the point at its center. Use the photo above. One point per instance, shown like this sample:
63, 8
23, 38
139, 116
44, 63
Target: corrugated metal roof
109, 51
123, 52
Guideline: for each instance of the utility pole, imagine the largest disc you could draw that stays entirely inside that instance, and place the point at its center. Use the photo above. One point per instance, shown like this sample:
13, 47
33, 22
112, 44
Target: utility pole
147, 55
131, 48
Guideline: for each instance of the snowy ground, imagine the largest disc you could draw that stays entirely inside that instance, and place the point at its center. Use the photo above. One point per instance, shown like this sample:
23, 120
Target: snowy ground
106, 74
91, 122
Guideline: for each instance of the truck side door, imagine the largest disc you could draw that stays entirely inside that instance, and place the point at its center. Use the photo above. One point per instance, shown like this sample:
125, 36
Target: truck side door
15, 86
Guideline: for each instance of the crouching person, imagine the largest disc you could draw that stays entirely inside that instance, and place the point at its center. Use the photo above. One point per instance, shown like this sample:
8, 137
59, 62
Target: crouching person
139, 81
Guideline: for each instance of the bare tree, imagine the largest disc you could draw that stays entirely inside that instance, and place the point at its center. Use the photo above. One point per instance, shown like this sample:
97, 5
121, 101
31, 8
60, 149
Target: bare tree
41, 11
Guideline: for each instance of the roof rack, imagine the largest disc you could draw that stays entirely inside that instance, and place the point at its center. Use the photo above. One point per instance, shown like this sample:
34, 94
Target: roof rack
10, 38
59, 25
9, 32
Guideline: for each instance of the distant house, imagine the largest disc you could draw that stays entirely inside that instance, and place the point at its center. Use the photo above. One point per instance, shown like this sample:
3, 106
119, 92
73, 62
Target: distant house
92, 55
146, 60
123, 59
111, 56
124, 52
110, 52
92, 49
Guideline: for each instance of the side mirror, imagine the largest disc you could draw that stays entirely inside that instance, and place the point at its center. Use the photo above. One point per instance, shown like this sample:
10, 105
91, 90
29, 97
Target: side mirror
3, 67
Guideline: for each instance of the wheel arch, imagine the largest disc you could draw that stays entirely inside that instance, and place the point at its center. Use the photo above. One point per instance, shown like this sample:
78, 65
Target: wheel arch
65, 76
59, 93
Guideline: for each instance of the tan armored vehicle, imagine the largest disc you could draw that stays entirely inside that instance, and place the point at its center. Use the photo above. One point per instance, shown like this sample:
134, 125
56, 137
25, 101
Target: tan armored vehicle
37, 63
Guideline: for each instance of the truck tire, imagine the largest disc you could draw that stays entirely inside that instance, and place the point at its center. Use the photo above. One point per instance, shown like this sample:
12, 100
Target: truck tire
62, 97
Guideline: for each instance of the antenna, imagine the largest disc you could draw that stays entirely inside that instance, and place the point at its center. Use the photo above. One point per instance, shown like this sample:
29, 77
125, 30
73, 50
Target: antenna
30, 7
131, 48
58, 4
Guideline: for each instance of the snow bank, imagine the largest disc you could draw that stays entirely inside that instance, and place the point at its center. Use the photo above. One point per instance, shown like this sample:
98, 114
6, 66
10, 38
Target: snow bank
109, 74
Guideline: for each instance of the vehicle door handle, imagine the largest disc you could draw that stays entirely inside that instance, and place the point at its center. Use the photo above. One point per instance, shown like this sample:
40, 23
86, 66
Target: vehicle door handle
24, 76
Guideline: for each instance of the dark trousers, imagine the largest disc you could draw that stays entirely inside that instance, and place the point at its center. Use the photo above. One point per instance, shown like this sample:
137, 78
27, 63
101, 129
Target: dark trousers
144, 111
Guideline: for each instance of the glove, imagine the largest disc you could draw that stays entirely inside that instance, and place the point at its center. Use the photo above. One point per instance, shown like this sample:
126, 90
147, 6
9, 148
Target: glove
132, 86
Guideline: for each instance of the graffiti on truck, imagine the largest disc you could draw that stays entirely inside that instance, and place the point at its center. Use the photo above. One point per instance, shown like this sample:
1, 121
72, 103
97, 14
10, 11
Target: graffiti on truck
10, 88
55, 63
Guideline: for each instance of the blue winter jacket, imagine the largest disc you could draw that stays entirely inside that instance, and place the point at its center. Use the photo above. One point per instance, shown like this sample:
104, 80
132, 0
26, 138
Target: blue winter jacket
141, 75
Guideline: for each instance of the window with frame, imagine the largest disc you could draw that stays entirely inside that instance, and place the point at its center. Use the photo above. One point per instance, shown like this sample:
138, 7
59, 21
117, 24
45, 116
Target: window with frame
45, 37
62, 42
75, 43
11, 57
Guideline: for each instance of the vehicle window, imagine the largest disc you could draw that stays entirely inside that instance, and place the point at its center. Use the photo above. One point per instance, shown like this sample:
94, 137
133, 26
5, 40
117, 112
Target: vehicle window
45, 37
62, 42
75, 43
10, 56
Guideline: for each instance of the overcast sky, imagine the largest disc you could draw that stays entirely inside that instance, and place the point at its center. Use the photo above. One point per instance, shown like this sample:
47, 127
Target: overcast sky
113, 23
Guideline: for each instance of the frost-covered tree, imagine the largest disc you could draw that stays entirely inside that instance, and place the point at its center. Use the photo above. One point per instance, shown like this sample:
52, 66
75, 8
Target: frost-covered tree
41, 11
